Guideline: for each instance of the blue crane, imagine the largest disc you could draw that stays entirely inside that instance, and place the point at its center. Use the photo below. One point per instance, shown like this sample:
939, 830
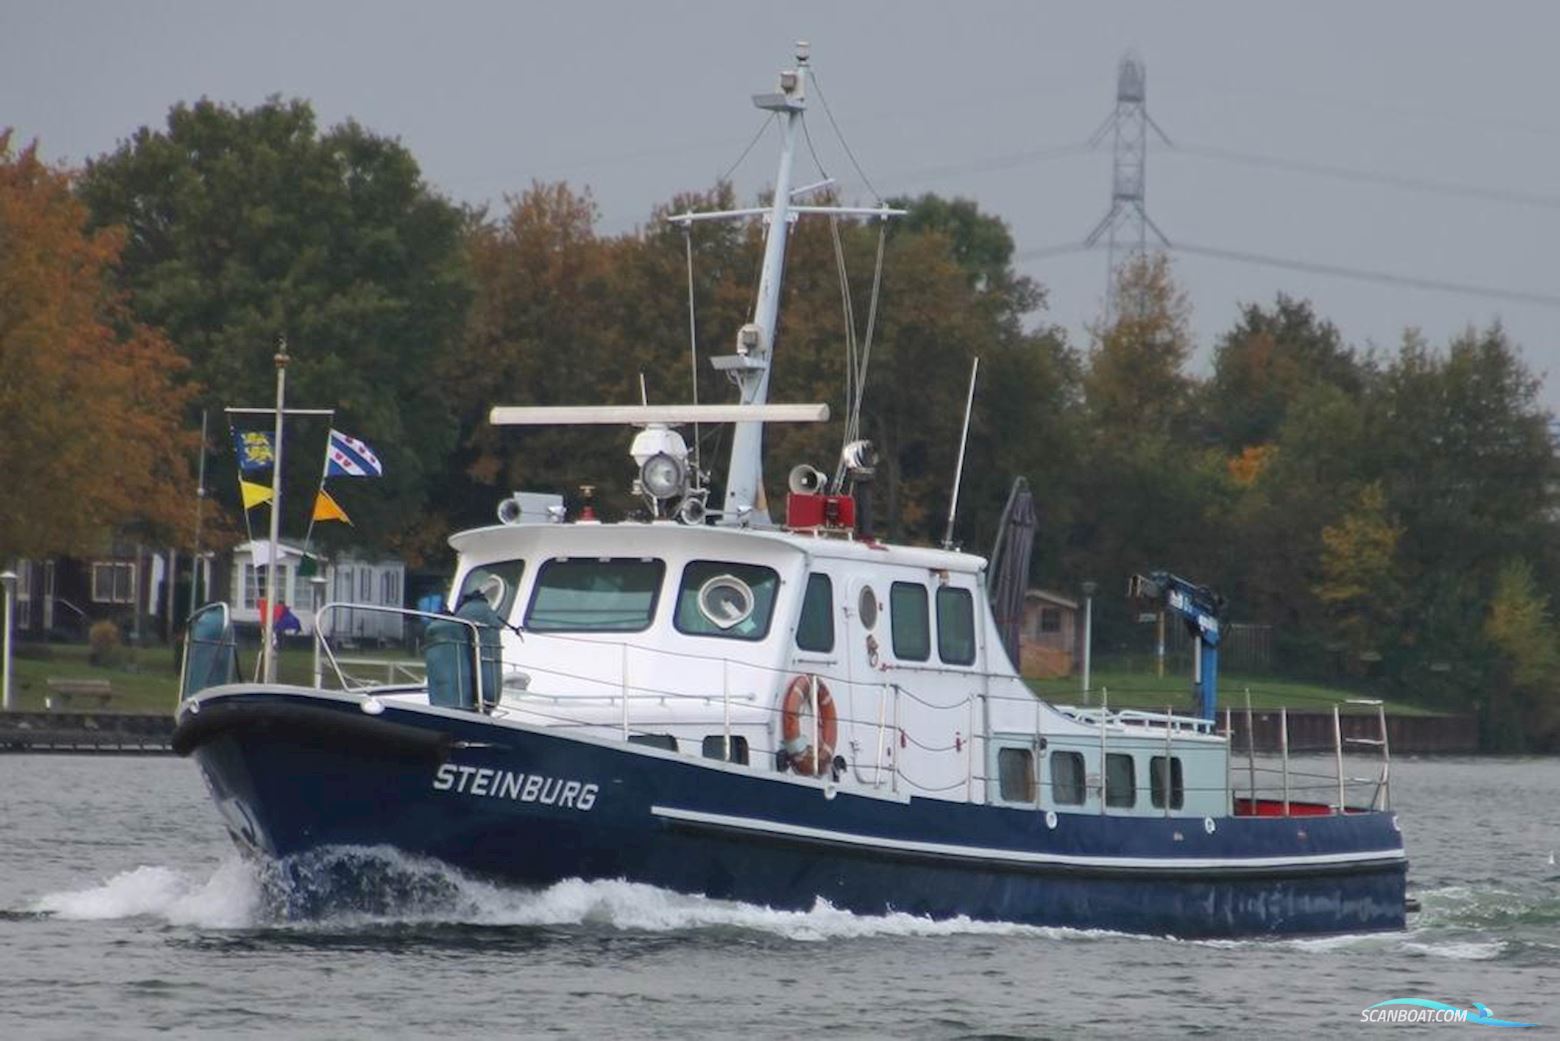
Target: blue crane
1199, 607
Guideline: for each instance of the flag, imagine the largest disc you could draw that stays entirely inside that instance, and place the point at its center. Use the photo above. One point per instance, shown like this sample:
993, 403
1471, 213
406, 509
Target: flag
254, 494
328, 509
254, 450
348, 457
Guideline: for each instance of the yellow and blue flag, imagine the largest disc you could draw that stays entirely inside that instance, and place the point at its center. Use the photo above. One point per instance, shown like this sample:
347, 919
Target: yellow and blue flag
254, 450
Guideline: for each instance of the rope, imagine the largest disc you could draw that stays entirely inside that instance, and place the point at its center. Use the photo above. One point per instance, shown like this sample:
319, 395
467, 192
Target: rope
762, 127
693, 339
844, 143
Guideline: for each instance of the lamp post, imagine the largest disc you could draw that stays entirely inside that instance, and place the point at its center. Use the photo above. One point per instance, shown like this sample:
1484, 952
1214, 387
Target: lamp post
8, 580
1088, 634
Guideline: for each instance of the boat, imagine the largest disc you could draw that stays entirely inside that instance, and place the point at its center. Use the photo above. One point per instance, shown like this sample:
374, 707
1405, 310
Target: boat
780, 712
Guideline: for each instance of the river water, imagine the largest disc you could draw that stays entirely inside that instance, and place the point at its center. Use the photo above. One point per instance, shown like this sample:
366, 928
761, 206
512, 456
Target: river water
125, 913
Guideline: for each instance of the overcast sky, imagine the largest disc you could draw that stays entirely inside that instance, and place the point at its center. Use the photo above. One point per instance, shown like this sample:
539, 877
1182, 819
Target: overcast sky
1437, 121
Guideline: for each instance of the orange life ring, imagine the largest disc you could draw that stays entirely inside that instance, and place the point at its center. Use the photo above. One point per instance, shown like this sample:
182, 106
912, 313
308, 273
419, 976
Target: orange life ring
796, 728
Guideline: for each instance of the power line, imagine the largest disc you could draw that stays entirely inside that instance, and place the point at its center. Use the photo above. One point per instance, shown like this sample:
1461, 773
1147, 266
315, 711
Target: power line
1345, 173
1314, 268
1367, 275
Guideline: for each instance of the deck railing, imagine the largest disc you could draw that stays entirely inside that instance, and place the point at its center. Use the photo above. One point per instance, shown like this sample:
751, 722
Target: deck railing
1291, 786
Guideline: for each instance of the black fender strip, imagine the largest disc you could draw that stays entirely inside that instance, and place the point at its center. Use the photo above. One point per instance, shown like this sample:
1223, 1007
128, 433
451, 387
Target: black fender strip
309, 725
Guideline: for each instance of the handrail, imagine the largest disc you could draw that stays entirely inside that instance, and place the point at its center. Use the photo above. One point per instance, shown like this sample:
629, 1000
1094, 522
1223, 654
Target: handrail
322, 642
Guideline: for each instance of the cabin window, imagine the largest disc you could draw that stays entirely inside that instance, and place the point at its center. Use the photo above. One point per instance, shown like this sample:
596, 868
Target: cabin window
955, 626
715, 748
1016, 774
497, 582
1050, 619
912, 627
815, 630
731, 600
606, 595
666, 741
1120, 780
1067, 779
1157, 778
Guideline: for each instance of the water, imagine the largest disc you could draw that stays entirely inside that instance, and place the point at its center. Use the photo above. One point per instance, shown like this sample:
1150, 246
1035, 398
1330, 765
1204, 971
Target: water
124, 913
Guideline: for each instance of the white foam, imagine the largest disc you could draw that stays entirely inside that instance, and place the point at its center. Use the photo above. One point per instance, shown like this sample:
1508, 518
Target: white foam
643, 908
1464, 950
229, 898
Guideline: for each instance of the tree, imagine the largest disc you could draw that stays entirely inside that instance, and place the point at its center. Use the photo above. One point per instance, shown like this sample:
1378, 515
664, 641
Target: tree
1360, 582
90, 438
1263, 365
1524, 699
1151, 494
247, 225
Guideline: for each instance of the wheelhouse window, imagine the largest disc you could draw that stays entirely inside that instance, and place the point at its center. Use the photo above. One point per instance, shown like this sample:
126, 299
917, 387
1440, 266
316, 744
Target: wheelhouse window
662, 741
734, 601
815, 630
955, 626
498, 583
606, 595
1120, 781
1067, 778
1016, 774
1165, 773
910, 622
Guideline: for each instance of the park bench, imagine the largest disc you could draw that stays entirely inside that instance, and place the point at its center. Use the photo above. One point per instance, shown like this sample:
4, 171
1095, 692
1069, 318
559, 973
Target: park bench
63, 691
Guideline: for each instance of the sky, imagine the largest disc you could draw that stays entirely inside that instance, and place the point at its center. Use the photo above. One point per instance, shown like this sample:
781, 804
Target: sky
1414, 140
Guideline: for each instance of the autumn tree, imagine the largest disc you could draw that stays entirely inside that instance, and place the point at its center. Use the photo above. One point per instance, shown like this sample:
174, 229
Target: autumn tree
1361, 582
245, 225
1522, 701
1265, 363
1149, 491
90, 410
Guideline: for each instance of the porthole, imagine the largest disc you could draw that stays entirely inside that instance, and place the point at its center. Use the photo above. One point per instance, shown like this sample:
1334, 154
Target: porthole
1050, 819
867, 607
1208, 825
726, 601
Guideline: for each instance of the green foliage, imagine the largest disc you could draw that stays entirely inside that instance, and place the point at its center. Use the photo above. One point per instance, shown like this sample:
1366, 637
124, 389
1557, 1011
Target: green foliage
246, 225
1524, 699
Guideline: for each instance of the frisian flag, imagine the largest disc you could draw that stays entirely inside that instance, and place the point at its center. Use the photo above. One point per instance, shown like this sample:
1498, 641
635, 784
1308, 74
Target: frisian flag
254, 450
348, 457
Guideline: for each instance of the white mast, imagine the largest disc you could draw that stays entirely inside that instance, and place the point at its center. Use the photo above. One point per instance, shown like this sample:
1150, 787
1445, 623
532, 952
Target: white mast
750, 367
273, 593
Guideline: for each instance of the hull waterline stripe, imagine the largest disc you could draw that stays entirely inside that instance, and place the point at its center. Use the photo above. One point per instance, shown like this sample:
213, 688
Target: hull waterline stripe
1374, 858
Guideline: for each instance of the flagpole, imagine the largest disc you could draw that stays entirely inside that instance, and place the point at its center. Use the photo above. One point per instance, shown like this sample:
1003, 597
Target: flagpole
324, 472
267, 650
200, 505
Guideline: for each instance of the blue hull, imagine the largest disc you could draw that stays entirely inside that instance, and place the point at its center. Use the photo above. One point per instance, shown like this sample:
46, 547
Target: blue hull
293, 772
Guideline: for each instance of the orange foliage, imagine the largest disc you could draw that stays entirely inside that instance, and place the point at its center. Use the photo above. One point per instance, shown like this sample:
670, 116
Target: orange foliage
90, 407
1244, 469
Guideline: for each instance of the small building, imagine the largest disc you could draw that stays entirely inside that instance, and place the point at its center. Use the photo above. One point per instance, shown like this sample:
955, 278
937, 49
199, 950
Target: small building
350, 578
1048, 638
127, 583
